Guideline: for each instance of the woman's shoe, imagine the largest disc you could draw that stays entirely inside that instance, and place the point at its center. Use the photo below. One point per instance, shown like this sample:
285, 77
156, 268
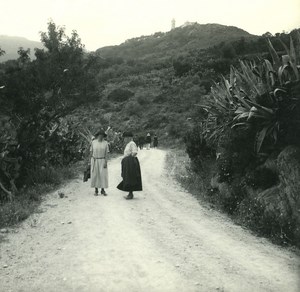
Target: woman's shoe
103, 193
129, 196
96, 194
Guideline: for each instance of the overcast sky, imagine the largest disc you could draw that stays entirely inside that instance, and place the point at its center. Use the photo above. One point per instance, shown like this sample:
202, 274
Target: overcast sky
110, 22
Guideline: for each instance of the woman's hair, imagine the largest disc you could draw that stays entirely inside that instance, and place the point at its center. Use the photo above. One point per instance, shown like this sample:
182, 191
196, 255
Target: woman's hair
127, 134
100, 132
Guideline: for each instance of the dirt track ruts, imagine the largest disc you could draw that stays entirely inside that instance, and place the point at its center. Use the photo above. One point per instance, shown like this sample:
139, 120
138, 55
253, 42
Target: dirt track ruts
163, 240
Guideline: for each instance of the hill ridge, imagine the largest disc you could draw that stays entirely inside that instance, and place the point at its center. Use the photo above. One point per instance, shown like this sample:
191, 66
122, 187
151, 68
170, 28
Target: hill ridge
182, 38
11, 44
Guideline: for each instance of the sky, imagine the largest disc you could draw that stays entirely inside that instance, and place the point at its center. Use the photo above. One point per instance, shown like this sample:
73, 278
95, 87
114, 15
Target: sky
110, 22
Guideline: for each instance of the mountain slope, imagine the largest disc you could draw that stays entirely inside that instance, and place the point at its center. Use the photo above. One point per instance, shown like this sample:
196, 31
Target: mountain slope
181, 39
11, 45
148, 83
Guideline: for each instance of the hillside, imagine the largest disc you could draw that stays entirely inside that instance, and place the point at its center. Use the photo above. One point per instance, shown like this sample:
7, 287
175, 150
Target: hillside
149, 83
181, 39
11, 44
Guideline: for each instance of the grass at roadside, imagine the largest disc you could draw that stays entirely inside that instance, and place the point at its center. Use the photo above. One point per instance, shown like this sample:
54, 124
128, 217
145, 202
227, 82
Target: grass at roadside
41, 181
180, 167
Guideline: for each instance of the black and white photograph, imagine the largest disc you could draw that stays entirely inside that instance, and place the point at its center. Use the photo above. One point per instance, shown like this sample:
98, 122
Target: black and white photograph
149, 146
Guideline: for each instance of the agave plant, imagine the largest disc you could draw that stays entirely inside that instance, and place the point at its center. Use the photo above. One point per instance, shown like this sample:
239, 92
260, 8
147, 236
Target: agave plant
258, 94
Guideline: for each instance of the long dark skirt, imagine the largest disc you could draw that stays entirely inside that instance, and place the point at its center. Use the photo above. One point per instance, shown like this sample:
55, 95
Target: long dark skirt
131, 174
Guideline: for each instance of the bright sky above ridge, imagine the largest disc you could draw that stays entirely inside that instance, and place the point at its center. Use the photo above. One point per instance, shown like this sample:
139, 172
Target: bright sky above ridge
110, 22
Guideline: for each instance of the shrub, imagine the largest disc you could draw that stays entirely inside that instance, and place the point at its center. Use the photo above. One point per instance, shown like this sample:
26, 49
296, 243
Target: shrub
136, 81
161, 98
49, 175
253, 214
197, 148
143, 100
106, 105
133, 108
120, 95
262, 178
175, 130
156, 121
23, 205
234, 152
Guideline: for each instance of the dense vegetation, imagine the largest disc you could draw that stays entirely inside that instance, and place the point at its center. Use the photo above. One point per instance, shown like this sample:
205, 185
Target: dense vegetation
163, 79
249, 129
35, 96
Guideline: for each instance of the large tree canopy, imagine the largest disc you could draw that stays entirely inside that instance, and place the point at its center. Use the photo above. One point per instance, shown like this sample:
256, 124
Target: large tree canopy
34, 96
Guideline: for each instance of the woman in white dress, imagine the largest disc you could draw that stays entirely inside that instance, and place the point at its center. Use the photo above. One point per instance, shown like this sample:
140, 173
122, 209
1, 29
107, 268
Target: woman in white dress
99, 153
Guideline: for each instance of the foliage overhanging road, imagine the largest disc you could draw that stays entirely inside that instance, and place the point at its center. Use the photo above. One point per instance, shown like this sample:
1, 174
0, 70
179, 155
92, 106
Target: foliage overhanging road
161, 241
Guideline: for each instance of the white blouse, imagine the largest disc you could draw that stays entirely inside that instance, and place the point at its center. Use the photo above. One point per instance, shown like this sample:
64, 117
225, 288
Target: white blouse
131, 149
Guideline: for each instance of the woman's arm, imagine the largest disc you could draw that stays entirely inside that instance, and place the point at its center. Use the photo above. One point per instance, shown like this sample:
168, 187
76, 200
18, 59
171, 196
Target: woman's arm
106, 155
91, 152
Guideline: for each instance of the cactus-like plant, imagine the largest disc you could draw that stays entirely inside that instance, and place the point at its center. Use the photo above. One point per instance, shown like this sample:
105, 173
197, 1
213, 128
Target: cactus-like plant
258, 94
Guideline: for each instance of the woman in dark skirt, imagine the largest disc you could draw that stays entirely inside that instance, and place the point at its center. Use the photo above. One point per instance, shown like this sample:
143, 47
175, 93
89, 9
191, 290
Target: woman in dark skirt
155, 141
131, 171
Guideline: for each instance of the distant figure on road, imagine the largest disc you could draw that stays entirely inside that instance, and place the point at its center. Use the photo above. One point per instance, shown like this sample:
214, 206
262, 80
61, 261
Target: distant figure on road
131, 171
148, 141
99, 153
141, 142
155, 141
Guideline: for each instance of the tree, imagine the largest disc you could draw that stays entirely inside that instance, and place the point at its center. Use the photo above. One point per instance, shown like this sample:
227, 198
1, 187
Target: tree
182, 65
36, 95
2, 52
267, 35
228, 51
24, 56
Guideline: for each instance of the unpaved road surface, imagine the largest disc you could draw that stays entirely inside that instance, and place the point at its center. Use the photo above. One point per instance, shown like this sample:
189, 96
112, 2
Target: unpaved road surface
163, 240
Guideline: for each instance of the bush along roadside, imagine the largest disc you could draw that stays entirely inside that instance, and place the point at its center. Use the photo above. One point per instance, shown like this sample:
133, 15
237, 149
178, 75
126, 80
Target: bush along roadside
41, 181
250, 128
39, 140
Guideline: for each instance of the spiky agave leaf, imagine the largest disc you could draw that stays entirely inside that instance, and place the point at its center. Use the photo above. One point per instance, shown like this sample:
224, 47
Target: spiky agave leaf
250, 78
284, 46
222, 92
241, 116
232, 77
297, 47
270, 73
274, 55
261, 135
263, 108
243, 124
286, 72
293, 55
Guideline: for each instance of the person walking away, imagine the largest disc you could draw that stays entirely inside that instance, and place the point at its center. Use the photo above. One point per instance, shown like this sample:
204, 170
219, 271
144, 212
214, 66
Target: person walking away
130, 168
141, 142
99, 154
148, 141
155, 141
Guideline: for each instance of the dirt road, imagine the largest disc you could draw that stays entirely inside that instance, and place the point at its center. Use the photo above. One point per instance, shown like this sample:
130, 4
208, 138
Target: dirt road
163, 240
